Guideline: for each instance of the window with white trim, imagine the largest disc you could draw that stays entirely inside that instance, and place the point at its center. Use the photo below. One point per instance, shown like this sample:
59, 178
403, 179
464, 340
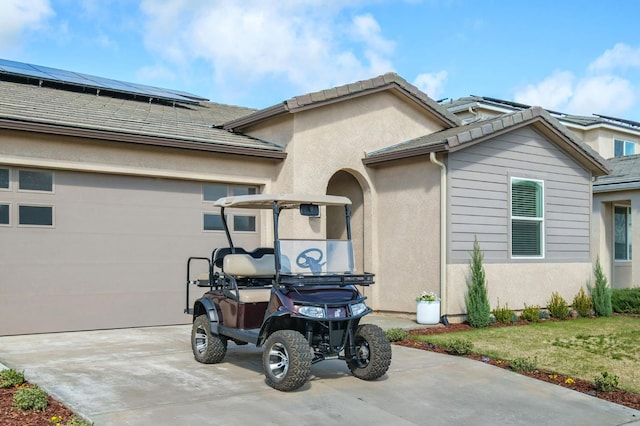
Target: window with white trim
527, 217
4, 178
35, 215
35, 180
622, 232
212, 221
5, 218
622, 148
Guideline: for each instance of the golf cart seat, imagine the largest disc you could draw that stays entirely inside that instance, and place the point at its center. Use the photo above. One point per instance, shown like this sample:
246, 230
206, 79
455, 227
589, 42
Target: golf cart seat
245, 265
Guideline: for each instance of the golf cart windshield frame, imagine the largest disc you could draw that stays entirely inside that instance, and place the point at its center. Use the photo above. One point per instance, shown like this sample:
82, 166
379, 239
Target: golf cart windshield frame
318, 264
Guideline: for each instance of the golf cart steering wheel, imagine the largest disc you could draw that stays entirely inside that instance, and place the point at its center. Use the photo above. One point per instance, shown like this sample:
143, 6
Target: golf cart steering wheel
311, 258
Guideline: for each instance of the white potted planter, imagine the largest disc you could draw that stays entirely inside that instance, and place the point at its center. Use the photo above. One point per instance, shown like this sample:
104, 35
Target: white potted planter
427, 308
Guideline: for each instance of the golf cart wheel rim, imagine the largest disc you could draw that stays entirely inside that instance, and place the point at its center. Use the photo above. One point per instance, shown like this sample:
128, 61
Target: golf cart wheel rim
278, 360
201, 340
363, 353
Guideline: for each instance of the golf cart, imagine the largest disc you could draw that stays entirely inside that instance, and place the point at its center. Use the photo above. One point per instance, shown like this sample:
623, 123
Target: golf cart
298, 298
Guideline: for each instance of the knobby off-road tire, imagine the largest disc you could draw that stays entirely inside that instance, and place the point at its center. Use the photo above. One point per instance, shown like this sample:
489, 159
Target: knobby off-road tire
208, 348
286, 360
373, 353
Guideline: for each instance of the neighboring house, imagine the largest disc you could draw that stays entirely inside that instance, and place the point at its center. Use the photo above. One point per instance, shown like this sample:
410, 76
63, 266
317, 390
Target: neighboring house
616, 198
104, 194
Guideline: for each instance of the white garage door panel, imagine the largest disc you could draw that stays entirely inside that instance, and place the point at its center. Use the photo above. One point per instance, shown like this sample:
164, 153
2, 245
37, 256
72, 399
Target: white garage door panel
116, 256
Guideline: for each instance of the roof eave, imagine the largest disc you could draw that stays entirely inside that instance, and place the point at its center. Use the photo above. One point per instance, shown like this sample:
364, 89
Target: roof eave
382, 159
80, 132
615, 187
256, 117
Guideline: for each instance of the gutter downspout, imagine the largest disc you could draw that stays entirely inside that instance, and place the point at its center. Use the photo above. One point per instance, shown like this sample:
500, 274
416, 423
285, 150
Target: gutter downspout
443, 236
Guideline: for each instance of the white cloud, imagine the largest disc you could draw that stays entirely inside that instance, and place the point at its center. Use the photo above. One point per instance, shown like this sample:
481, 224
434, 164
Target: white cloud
17, 16
431, 83
605, 94
621, 56
595, 93
300, 42
552, 93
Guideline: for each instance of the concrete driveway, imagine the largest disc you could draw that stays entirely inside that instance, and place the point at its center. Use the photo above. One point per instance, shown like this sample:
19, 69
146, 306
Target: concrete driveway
147, 376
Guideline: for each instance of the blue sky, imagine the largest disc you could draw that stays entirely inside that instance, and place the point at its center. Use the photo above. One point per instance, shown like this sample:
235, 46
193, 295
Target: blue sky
570, 56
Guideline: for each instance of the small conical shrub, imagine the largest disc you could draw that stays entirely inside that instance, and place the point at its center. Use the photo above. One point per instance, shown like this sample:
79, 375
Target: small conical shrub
477, 298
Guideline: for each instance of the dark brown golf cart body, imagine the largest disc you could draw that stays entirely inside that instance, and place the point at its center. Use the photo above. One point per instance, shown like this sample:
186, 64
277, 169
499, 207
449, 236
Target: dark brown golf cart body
305, 287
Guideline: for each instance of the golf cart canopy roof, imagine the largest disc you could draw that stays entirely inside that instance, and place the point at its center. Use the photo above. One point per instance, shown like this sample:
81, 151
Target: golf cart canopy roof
285, 201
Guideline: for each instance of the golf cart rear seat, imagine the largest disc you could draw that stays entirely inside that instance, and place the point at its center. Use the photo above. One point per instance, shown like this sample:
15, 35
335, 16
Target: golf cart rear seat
244, 265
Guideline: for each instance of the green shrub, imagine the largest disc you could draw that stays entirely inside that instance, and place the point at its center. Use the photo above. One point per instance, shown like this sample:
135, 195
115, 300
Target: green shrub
10, 378
30, 398
396, 334
601, 293
543, 315
557, 306
459, 346
524, 364
582, 303
503, 315
531, 313
626, 300
477, 298
606, 382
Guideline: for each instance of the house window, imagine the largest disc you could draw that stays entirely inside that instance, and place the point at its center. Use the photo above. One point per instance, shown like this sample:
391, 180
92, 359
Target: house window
4, 214
622, 225
34, 180
213, 222
622, 148
237, 222
244, 223
35, 215
4, 178
527, 218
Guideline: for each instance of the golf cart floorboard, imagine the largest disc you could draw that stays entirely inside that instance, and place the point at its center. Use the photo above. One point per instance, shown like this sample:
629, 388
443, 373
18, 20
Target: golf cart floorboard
250, 336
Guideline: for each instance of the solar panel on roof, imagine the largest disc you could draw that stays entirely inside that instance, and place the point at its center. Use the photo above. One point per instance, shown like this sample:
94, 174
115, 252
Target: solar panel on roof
76, 79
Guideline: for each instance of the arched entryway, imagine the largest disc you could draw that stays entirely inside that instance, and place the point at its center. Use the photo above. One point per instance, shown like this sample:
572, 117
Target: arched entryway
345, 184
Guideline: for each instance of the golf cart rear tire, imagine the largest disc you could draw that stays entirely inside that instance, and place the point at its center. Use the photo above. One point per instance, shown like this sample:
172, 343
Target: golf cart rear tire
373, 353
208, 348
286, 360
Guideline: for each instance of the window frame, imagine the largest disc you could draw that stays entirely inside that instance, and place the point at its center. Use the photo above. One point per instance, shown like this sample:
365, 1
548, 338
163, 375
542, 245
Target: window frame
8, 188
625, 145
38, 191
539, 219
34, 225
628, 233
232, 189
9, 209
209, 213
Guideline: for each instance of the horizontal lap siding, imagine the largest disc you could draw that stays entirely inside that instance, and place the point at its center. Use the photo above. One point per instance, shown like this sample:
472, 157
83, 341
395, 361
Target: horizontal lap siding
479, 197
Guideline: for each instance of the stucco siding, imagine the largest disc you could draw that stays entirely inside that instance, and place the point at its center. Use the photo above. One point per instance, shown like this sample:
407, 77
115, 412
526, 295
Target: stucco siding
620, 273
517, 284
408, 218
479, 182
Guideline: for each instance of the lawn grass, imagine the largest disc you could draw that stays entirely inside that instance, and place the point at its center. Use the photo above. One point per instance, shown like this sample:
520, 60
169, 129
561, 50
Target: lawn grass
581, 348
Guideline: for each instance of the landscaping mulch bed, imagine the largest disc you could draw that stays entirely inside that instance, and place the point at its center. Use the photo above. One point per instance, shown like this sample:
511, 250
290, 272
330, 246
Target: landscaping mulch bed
621, 397
11, 416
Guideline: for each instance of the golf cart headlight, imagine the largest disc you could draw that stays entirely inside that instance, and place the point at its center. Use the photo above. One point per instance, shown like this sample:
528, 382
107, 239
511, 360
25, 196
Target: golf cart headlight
358, 308
312, 311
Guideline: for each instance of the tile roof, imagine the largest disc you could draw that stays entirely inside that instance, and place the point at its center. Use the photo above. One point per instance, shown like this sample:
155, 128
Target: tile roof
196, 124
323, 97
580, 120
460, 137
625, 174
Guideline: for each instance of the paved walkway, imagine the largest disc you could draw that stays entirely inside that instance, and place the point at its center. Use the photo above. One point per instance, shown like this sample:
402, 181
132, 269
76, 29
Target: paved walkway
147, 376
